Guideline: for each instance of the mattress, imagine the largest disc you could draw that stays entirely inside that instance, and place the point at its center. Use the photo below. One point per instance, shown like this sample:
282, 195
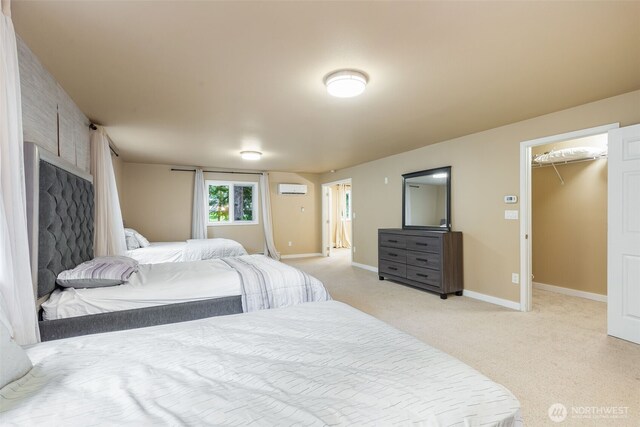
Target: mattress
191, 250
314, 364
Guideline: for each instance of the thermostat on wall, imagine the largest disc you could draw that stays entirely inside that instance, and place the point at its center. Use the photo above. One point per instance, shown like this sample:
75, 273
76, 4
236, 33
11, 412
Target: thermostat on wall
511, 199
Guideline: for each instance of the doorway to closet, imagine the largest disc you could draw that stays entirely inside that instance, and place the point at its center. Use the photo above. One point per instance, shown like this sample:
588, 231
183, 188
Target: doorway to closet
569, 218
337, 230
622, 218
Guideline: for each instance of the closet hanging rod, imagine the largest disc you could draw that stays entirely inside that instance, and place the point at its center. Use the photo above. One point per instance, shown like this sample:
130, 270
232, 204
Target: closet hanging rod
212, 171
566, 162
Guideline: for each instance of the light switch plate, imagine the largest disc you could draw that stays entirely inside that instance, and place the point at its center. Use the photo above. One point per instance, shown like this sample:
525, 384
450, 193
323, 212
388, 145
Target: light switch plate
510, 214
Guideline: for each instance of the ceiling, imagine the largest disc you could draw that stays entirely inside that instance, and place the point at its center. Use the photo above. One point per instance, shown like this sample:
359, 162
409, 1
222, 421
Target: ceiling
194, 83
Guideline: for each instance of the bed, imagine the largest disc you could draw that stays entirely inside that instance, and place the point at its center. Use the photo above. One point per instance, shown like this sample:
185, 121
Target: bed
190, 250
260, 282
60, 225
322, 363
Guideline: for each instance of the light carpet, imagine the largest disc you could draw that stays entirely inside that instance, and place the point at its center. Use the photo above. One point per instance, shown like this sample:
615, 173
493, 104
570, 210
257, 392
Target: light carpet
557, 353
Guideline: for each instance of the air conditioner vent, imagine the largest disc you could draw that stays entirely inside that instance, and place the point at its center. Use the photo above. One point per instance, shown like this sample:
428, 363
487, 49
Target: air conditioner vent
292, 189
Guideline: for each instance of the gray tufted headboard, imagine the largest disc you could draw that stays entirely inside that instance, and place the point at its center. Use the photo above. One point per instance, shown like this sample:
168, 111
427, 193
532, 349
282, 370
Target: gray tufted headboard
60, 217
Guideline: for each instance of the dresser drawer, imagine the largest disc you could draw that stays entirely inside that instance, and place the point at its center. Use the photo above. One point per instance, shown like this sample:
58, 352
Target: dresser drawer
393, 254
393, 268
424, 275
424, 259
393, 240
424, 244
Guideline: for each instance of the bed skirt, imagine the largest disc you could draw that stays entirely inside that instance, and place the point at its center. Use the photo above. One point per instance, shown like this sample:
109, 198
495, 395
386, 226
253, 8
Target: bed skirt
138, 318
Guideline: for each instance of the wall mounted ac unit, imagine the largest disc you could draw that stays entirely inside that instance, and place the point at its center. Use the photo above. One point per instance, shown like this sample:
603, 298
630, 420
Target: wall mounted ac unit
292, 189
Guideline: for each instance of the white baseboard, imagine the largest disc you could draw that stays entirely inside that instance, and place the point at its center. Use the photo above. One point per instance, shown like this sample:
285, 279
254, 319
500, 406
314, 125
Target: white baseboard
570, 292
365, 267
493, 300
291, 256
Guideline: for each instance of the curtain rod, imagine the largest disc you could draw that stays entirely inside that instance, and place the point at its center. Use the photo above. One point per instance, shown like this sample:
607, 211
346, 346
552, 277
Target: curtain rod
212, 171
94, 127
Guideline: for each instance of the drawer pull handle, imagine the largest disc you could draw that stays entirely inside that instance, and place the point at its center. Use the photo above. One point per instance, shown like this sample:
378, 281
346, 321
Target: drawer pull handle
393, 254
422, 259
421, 244
392, 268
392, 241
422, 275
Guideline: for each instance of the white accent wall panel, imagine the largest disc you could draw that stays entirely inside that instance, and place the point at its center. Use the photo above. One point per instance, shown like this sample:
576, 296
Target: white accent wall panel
50, 118
39, 100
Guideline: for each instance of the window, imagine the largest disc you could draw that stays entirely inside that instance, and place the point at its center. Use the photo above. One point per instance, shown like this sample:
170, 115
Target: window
346, 215
232, 203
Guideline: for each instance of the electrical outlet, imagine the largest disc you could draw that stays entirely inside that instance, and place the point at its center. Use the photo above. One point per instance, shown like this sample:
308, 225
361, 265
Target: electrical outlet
515, 278
386, 180
354, 249
290, 243
353, 215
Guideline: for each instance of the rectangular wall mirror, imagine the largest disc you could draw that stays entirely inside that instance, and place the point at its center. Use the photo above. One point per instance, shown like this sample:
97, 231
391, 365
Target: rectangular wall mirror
426, 199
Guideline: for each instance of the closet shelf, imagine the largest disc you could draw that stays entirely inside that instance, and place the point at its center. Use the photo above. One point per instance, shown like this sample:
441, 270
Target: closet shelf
568, 155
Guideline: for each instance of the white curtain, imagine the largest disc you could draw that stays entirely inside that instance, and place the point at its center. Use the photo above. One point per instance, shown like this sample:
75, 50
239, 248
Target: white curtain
199, 215
341, 236
265, 196
15, 270
108, 227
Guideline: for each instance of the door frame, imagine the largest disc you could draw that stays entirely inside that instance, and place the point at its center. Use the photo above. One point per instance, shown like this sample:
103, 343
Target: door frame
326, 215
525, 202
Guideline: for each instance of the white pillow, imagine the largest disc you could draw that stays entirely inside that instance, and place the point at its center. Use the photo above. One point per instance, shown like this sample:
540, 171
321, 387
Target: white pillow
142, 241
132, 242
14, 362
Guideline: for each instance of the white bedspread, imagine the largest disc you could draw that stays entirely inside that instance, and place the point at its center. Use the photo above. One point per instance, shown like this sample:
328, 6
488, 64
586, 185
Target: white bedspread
191, 250
313, 364
158, 252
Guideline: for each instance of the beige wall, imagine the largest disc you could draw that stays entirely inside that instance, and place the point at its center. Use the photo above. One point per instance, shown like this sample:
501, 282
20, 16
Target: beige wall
158, 203
569, 228
485, 167
290, 222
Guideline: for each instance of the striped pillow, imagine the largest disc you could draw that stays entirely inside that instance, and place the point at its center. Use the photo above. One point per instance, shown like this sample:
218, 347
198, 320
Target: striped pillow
99, 272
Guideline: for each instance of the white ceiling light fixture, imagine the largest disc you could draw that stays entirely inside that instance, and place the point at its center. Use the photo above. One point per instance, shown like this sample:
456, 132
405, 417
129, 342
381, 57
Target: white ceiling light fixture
250, 155
346, 83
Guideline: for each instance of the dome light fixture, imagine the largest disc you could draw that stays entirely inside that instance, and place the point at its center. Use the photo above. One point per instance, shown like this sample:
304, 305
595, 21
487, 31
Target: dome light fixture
250, 155
346, 83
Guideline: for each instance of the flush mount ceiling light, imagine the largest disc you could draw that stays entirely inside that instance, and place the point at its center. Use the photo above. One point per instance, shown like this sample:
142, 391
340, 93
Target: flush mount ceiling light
346, 83
250, 155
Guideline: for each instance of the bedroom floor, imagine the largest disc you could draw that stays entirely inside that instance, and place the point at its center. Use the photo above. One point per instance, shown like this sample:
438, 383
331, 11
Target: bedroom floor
558, 353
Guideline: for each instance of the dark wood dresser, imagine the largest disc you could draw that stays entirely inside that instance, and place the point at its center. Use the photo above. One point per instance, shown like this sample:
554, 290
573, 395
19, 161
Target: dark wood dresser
430, 260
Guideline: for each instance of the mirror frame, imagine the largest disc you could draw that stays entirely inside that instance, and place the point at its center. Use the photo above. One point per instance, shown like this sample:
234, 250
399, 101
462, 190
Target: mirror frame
446, 169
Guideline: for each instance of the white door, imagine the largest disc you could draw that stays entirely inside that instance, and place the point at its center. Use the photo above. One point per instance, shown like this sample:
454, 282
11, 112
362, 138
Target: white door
624, 234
